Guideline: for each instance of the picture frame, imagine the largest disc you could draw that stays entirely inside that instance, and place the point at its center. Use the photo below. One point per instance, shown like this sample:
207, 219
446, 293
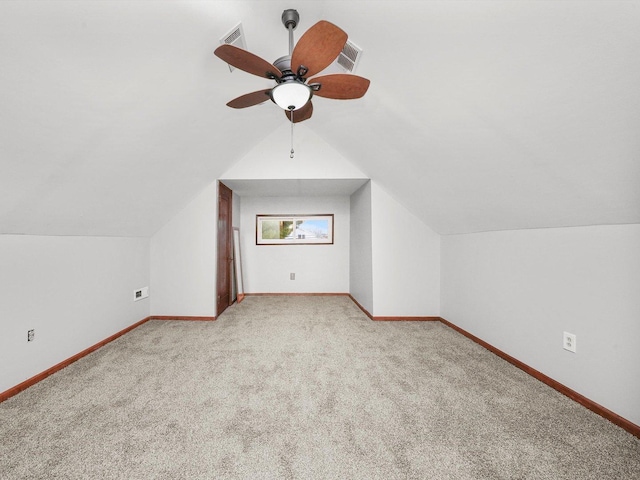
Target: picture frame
311, 229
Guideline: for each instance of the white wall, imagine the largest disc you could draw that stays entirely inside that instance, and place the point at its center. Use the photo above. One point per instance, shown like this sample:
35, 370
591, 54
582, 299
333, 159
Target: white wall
360, 253
406, 260
318, 268
73, 291
519, 290
314, 158
183, 260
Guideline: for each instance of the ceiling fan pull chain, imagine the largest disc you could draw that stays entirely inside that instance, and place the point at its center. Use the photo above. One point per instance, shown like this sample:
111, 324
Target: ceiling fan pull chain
292, 152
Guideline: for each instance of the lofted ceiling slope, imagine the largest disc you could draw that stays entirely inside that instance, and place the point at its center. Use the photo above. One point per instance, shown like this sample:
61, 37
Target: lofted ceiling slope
484, 115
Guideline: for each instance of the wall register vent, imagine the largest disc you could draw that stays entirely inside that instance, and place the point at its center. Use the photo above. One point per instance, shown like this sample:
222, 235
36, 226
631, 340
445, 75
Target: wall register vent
349, 57
235, 37
140, 294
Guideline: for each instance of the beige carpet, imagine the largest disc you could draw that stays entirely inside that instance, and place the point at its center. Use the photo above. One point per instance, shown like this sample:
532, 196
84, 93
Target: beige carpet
303, 387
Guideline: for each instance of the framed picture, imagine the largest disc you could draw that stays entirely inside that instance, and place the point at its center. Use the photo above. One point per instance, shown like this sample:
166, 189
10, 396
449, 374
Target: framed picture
294, 229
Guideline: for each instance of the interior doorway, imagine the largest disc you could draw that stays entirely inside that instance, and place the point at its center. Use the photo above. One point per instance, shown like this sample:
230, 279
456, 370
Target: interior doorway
225, 245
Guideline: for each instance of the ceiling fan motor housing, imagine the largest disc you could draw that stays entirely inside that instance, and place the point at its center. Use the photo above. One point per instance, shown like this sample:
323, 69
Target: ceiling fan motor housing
283, 63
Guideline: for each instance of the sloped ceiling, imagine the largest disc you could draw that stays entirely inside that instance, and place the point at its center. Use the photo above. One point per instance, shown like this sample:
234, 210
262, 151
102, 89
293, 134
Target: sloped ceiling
481, 115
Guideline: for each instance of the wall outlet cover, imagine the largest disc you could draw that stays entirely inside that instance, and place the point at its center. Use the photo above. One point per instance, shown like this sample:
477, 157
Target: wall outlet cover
569, 341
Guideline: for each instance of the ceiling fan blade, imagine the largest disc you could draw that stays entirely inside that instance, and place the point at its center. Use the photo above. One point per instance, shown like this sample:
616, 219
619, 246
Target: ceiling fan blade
301, 114
250, 99
318, 47
246, 61
340, 86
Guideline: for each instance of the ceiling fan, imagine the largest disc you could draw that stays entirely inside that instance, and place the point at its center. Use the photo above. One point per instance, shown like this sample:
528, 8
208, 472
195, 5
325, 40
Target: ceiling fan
316, 50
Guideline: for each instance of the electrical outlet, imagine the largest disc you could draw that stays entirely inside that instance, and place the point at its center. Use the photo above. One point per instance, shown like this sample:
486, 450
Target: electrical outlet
292, 276
569, 341
30, 335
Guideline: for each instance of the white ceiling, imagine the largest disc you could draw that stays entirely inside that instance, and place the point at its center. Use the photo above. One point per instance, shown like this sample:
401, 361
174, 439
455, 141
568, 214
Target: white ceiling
481, 115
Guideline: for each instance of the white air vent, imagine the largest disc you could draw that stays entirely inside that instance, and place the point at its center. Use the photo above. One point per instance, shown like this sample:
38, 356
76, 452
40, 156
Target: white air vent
140, 294
236, 38
349, 57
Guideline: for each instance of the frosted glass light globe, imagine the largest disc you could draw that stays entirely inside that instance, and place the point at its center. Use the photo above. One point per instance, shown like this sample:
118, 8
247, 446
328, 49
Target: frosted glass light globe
291, 95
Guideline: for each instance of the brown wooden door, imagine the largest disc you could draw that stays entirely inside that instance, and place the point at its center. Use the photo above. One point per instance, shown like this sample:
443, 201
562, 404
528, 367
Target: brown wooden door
224, 248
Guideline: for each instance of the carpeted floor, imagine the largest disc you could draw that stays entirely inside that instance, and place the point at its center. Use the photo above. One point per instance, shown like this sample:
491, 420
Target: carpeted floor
303, 387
